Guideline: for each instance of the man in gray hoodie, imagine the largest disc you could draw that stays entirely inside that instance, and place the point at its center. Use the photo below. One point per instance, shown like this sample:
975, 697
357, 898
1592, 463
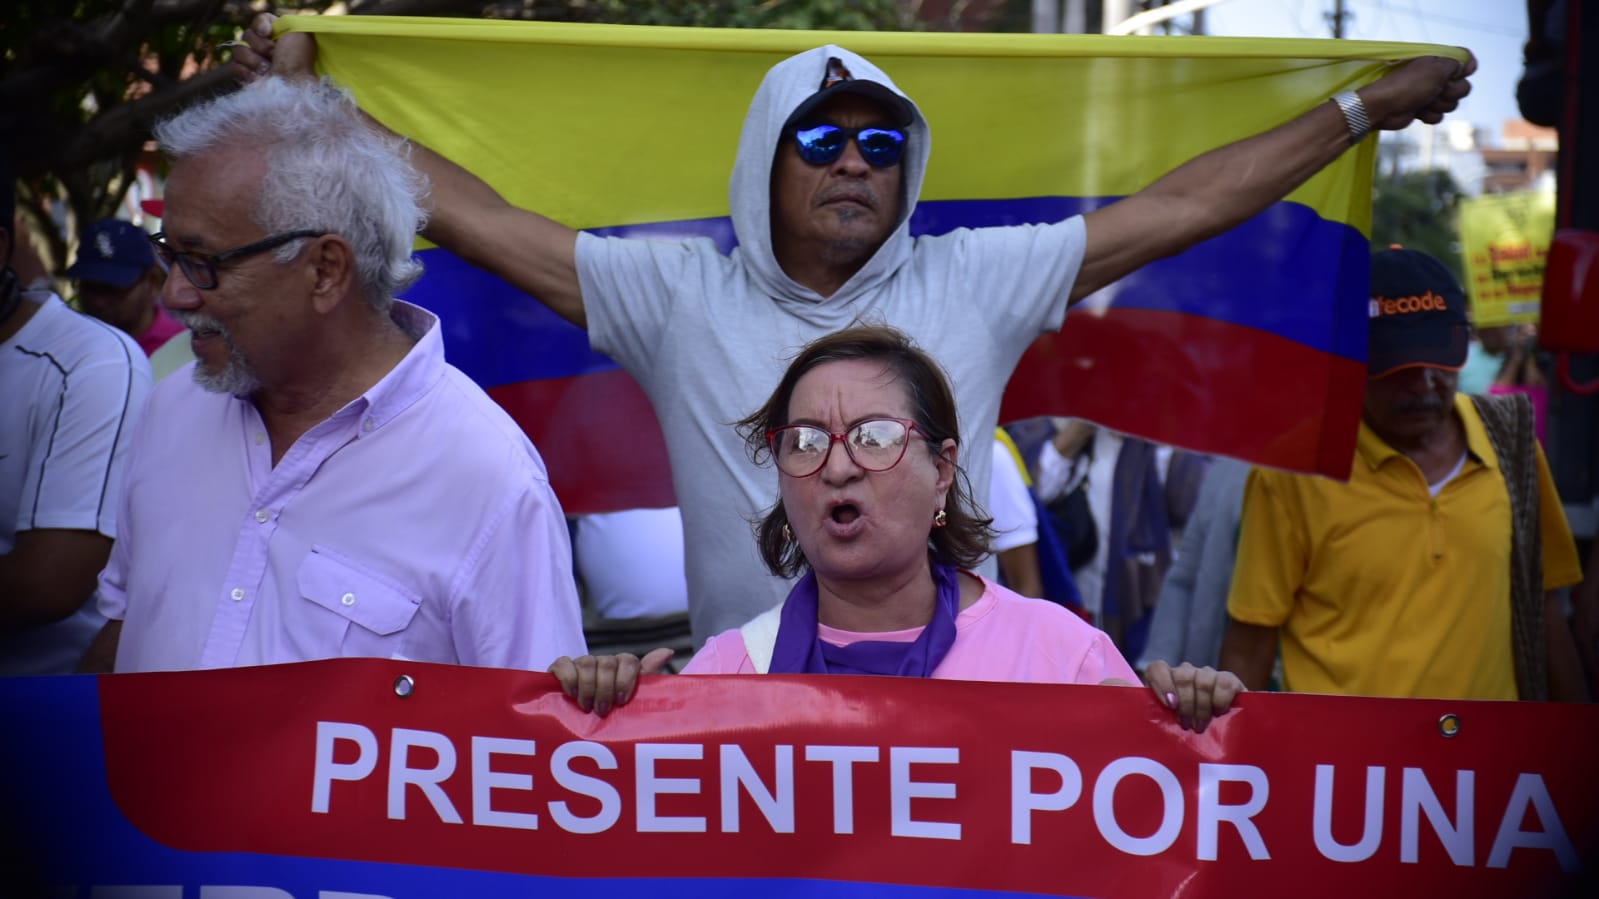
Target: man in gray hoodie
824, 241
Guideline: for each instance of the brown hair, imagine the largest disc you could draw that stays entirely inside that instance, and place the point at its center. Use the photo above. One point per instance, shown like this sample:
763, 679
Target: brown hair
964, 539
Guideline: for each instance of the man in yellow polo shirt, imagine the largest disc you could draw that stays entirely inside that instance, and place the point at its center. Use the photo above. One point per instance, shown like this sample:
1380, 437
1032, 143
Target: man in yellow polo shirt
1398, 583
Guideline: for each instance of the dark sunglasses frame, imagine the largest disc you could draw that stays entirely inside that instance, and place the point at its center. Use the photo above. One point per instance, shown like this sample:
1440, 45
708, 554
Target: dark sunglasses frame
201, 268
823, 144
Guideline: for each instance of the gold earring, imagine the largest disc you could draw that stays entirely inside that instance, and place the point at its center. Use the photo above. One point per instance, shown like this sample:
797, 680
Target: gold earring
788, 535
940, 519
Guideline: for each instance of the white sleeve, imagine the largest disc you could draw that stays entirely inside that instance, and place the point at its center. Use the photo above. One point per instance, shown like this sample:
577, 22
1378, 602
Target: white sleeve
75, 477
630, 289
1015, 519
630, 562
111, 594
1058, 475
1034, 268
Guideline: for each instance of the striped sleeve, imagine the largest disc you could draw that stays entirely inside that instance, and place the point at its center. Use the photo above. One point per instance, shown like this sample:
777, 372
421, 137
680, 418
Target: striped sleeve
79, 447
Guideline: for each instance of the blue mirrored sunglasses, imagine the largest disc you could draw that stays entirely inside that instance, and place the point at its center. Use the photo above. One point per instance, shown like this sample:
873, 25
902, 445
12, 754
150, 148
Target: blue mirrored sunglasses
822, 144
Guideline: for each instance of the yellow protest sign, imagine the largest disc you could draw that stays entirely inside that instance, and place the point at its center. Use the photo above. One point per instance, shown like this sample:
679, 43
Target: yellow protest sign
1505, 241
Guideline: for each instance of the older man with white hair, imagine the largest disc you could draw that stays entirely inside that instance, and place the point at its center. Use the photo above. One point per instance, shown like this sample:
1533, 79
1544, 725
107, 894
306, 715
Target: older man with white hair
325, 484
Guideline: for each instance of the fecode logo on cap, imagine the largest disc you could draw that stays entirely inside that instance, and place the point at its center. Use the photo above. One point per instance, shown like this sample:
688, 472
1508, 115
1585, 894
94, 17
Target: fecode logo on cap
1427, 302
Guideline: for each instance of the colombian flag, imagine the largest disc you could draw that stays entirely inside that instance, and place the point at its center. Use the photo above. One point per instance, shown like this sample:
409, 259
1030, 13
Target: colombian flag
1250, 345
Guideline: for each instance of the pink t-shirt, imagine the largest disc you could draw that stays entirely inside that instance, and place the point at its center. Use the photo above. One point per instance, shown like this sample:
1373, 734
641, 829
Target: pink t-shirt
162, 329
1004, 637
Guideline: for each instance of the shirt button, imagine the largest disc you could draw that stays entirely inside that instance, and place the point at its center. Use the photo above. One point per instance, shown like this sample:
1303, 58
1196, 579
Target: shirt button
348, 599
260, 437
262, 515
237, 594
367, 425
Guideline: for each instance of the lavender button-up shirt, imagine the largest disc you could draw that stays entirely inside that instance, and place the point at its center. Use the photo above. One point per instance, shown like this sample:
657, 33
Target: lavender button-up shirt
416, 523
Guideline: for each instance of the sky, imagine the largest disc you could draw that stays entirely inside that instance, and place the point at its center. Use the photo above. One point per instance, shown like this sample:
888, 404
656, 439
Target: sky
1494, 31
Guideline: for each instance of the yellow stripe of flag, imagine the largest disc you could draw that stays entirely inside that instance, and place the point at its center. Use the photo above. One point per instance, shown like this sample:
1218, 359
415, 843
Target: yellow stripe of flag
597, 125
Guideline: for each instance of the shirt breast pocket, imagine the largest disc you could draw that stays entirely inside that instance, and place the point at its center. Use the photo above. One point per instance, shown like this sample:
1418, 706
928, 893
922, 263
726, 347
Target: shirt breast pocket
371, 612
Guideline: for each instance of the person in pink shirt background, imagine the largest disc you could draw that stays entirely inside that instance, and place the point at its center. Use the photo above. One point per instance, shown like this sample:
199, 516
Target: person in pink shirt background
120, 283
1521, 373
875, 517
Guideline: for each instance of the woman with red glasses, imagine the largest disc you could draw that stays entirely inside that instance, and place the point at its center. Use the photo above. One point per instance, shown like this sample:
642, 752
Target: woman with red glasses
876, 519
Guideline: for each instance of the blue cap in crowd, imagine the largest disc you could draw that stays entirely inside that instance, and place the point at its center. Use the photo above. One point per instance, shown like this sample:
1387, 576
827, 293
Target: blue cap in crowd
113, 252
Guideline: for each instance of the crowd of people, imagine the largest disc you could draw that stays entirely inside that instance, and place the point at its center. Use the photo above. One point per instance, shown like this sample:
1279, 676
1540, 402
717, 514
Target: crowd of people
319, 481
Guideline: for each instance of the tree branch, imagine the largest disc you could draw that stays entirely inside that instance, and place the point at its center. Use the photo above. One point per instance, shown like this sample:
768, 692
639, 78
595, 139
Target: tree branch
416, 7
163, 12
129, 123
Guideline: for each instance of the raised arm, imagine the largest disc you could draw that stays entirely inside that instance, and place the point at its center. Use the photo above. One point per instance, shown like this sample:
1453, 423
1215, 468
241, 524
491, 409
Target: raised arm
465, 214
1220, 189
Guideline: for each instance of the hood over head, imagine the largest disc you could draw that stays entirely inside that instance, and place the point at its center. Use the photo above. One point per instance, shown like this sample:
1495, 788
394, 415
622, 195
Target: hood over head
794, 86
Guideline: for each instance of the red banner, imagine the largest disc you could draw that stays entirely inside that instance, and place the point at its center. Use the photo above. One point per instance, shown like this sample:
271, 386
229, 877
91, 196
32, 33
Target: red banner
1087, 791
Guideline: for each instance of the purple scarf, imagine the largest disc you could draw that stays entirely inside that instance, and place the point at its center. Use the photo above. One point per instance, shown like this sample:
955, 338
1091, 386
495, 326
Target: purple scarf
799, 650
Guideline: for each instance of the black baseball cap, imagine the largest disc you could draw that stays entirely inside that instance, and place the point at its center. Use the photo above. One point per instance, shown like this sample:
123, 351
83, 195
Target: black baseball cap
838, 80
1418, 314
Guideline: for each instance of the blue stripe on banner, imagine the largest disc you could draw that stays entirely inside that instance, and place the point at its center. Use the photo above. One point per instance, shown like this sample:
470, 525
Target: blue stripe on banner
56, 811
1255, 275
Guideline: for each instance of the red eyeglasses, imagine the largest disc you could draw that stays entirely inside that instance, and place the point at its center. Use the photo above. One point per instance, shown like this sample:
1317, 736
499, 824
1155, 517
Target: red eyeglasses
876, 444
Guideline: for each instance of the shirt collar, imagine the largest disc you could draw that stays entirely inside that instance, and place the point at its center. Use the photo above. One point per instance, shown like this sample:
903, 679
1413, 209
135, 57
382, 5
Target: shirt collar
415, 374
1375, 451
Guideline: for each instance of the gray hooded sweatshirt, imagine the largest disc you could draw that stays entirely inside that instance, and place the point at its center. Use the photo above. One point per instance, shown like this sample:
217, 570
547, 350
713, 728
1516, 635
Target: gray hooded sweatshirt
709, 335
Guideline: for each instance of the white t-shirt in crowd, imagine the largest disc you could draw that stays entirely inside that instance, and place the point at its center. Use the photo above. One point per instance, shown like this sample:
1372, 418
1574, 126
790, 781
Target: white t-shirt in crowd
74, 387
1015, 518
631, 562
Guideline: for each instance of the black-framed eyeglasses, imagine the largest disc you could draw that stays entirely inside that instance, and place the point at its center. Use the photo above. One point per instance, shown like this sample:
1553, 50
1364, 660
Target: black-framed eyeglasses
821, 144
201, 268
876, 444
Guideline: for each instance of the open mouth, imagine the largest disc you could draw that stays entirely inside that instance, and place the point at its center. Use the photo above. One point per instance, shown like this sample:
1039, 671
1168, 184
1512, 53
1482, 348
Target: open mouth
844, 513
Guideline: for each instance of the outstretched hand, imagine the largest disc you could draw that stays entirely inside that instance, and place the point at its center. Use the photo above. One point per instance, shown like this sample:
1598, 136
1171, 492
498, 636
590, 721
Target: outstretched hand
600, 683
257, 55
1196, 694
1427, 89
